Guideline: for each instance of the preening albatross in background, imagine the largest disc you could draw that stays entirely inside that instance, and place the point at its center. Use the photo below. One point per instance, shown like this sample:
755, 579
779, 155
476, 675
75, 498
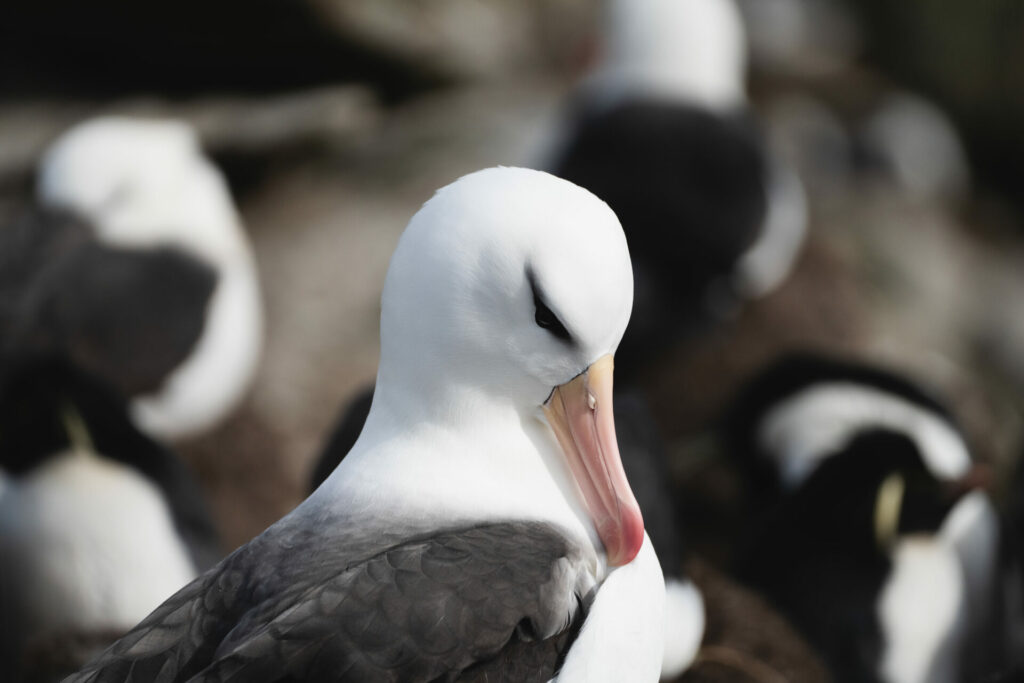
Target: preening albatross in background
153, 290
481, 528
662, 133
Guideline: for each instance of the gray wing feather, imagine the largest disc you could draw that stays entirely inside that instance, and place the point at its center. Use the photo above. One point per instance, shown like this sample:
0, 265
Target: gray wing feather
179, 637
493, 602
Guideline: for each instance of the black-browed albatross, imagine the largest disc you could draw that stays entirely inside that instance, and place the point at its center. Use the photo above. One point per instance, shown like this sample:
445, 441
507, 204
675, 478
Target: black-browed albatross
158, 294
482, 527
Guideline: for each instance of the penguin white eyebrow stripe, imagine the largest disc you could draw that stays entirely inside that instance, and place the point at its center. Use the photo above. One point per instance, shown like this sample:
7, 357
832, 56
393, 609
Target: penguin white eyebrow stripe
543, 315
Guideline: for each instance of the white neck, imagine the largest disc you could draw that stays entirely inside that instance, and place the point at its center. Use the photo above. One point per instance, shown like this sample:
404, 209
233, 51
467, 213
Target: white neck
461, 457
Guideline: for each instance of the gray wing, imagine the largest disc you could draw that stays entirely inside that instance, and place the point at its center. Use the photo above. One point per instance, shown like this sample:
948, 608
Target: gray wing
179, 638
494, 602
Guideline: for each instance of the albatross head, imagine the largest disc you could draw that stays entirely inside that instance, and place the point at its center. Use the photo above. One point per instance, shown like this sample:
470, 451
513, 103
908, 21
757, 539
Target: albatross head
512, 288
143, 182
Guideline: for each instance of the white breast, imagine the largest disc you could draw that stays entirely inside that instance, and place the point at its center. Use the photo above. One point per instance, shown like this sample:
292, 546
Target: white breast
88, 543
623, 636
922, 613
972, 529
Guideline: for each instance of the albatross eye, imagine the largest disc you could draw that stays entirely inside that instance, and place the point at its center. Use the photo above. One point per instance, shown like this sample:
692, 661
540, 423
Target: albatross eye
543, 315
548, 320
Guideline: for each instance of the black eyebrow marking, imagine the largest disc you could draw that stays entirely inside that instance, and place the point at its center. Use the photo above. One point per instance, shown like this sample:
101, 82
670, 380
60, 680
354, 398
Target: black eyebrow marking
543, 315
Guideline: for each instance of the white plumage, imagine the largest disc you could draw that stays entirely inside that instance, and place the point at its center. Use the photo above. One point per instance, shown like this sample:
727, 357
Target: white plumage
86, 545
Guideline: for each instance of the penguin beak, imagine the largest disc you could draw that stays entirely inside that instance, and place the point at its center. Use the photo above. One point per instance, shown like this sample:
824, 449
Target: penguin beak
902, 508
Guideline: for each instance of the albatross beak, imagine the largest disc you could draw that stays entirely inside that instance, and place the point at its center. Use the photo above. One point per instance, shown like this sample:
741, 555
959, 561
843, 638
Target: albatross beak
580, 413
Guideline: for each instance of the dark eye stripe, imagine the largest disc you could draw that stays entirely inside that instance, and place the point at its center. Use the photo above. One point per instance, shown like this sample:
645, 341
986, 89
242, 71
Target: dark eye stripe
543, 315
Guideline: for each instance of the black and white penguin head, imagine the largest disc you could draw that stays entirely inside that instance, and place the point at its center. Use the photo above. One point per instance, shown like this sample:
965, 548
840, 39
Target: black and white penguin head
867, 482
876, 490
805, 407
823, 430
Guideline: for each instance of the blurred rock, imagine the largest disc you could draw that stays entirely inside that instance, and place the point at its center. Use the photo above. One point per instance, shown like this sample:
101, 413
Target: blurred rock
803, 38
967, 57
228, 125
114, 48
806, 133
54, 657
819, 306
915, 143
466, 38
746, 640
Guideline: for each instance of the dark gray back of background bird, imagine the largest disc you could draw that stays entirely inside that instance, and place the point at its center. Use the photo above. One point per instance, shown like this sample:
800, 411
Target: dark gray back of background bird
128, 316
688, 187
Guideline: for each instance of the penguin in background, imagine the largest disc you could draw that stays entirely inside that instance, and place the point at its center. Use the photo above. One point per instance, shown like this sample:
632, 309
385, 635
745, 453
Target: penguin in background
98, 522
868, 526
661, 131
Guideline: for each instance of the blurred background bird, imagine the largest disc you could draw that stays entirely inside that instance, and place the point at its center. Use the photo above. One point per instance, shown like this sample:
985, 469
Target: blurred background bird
868, 523
131, 313
661, 129
149, 193
894, 129
98, 523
